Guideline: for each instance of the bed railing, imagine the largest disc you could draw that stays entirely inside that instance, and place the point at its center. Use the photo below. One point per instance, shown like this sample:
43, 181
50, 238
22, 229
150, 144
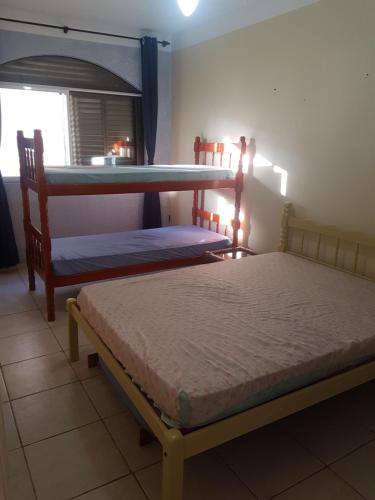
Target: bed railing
353, 253
38, 242
213, 153
31, 157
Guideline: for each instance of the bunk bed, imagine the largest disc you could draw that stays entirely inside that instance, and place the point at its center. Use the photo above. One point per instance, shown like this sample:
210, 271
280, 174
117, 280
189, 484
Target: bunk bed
69, 261
269, 336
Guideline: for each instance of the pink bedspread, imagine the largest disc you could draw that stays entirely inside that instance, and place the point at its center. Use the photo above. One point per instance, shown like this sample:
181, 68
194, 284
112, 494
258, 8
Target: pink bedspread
208, 341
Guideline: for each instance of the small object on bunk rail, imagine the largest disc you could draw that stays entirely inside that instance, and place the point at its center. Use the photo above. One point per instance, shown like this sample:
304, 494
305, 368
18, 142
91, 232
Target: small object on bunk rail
108, 161
229, 254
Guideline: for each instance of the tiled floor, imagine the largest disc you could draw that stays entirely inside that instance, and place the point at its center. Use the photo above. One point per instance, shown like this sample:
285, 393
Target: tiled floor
69, 435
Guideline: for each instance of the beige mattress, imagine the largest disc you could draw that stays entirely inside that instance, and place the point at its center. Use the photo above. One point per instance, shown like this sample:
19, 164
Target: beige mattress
209, 341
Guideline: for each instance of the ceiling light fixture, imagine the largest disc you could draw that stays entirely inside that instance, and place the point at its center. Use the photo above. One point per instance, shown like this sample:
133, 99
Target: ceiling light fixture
187, 6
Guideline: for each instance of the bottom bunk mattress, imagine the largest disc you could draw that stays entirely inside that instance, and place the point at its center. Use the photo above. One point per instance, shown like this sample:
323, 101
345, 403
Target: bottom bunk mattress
210, 341
82, 254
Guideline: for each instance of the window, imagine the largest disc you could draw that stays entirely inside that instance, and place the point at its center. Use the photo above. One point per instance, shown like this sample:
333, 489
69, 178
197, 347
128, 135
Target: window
83, 110
98, 121
27, 110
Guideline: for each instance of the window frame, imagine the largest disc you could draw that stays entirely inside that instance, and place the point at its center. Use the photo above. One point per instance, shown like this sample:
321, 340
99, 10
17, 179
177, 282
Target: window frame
138, 125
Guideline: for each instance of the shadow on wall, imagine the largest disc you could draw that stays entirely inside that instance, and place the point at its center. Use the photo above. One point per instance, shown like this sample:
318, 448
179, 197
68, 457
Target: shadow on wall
264, 197
265, 208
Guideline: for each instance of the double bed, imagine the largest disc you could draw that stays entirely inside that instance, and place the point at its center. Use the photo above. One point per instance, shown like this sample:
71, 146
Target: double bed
209, 353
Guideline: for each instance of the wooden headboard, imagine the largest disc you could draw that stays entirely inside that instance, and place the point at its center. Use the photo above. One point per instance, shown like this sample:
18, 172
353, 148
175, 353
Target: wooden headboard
353, 253
226, 155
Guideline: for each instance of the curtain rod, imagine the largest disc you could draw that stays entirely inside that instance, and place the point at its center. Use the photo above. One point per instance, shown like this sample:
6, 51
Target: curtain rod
66, 29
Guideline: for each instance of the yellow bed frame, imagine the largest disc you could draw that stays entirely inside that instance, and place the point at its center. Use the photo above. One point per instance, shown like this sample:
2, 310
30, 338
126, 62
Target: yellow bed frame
301, 238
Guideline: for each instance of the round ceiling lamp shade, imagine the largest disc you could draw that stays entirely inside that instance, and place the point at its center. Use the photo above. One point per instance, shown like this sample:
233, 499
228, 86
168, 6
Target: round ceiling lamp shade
187, 6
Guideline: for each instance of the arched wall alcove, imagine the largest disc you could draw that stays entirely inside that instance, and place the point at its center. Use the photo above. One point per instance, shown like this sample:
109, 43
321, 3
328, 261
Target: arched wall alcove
63, 71
123, 61
108, 213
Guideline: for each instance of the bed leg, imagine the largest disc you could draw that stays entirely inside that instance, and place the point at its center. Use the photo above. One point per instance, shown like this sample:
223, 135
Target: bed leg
173, 466
31, 273
92, 360
50, 297
73, 333
145, 437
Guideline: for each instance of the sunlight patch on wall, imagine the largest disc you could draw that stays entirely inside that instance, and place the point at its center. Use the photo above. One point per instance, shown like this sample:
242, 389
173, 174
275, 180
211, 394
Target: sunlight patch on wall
268, 170
284, 178
232, 149
261, 161
226, 211
245, 163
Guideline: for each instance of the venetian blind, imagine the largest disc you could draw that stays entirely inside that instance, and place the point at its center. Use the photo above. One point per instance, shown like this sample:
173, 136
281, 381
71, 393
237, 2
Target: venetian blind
97, 122
60, 71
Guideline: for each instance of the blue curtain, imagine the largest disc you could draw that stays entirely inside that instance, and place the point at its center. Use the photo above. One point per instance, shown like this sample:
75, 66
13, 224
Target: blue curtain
8, 247
149, 52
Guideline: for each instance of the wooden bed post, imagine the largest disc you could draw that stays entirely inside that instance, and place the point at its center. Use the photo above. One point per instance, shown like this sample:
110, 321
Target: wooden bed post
73, 332
284, 227
197, 147
236, 223
44, 226
195, 207
173, 466
26, 211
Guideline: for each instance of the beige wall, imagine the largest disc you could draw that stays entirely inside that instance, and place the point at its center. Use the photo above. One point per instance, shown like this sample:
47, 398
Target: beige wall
303, 85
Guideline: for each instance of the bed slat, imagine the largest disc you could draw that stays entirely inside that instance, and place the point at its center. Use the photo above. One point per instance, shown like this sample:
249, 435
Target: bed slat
333, 247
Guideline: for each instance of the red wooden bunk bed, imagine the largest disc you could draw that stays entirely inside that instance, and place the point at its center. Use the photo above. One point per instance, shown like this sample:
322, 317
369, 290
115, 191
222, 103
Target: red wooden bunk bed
34, 176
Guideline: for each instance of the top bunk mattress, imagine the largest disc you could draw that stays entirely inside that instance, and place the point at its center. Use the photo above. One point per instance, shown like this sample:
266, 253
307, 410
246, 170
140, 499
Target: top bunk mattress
135, 174
210, 341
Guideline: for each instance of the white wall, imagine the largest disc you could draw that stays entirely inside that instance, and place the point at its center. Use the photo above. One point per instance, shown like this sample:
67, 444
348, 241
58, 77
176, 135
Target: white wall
302, 84
91, 214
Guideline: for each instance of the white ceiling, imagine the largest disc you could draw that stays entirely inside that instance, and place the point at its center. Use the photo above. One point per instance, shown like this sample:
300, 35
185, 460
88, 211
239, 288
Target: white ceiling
161, 17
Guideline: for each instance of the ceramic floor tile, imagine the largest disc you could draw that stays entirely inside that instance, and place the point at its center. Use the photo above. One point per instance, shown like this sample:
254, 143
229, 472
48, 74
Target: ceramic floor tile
14, 324
22, 270
361, 403
3, 390
24, 275
269, 453
9, 276
52, 412
11, 435
126, 488
71, 464
324, 485
358, 469
328, 430
61, 333
38, 374
61, 296
125, 432
80, 367
15, 298
103, 396
19, 486
27, 346
61, 316
206, 477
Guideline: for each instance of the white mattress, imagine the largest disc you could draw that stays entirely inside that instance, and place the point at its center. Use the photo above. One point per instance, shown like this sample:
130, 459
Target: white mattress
212, 340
